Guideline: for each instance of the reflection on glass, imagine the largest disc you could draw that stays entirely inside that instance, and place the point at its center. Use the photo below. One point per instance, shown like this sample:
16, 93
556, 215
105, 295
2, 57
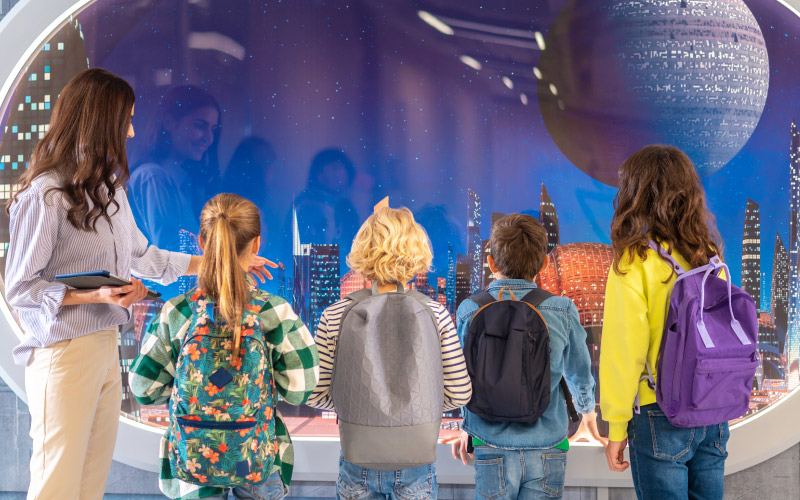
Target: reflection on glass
328, 111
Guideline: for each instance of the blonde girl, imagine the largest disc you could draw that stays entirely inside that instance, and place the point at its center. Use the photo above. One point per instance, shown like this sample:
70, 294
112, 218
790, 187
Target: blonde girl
391, 248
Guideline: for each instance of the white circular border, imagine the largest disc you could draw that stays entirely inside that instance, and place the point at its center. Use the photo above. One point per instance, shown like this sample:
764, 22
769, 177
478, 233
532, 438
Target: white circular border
25, 29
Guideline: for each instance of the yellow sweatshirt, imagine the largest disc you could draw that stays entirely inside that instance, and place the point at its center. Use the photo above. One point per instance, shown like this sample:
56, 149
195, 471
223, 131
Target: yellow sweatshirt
633, 322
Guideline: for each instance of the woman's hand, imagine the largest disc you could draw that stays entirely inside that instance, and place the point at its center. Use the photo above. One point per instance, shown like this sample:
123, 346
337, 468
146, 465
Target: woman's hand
460, 449
258, 268
123, 296
615, 455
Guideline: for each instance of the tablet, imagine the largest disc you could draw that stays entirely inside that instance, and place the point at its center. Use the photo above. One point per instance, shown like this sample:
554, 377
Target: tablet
92, 280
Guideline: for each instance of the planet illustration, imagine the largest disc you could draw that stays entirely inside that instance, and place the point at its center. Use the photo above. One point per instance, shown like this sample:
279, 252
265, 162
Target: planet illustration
618, 75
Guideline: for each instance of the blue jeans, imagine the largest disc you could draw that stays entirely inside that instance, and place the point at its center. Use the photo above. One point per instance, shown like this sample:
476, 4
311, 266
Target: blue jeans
526, 474
358, 483
672, 463
271, 489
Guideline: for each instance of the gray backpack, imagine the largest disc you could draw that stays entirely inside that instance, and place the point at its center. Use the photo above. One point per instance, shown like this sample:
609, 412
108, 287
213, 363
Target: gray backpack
387, 383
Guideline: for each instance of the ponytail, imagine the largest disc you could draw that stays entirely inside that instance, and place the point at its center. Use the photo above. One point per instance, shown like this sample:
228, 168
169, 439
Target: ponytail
228, 224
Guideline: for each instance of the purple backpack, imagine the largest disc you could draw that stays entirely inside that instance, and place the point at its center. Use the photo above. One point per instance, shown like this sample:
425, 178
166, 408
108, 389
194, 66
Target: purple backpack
708, 351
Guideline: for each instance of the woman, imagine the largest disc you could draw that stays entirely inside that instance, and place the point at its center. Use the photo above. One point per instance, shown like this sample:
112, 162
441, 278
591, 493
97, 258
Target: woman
179, 170
660, 198
71, 214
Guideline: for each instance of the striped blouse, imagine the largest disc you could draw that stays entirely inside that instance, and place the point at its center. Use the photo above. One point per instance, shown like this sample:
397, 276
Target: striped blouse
457, 386
43, 243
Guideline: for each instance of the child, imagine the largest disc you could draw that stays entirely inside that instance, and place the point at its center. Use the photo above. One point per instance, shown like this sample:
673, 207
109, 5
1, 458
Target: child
523, 459
378, 330
220, 381
660, 198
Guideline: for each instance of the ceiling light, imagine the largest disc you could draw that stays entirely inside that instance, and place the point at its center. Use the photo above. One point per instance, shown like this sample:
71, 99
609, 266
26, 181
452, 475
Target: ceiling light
539, 39
553, 89
471, 62
507, 81
523, 98
537, 73
212, 40
435, 22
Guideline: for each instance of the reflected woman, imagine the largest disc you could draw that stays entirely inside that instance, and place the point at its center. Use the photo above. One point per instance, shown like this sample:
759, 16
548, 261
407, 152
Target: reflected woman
251, 175
179, 171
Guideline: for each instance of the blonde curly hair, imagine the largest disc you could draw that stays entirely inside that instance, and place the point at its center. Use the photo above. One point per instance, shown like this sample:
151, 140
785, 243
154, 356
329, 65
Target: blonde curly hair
390, 246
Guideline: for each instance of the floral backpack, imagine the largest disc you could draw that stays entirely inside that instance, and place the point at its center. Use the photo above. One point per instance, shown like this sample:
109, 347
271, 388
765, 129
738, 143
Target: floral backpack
222, 426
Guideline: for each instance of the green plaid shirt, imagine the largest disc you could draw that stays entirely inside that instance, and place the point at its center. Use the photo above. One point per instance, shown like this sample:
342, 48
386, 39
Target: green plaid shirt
296, 372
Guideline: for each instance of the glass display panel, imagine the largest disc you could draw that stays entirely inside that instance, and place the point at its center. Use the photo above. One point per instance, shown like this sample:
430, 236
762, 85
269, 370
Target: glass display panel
461, 111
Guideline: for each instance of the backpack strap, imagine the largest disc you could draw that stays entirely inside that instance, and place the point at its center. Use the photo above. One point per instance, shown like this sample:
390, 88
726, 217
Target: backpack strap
536, 296
482, 298
679, 270
573, 414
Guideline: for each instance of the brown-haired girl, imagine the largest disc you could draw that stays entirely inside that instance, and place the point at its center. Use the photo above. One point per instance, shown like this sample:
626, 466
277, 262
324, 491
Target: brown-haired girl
71, 214
226, 325
660, 198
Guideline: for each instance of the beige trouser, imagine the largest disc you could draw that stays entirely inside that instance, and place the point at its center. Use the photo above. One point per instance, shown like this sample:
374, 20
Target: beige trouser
74, 391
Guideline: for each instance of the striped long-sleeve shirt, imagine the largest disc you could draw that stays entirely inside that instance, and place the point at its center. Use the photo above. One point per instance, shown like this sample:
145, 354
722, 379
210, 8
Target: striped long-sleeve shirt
295, 373
43, 243
457, 385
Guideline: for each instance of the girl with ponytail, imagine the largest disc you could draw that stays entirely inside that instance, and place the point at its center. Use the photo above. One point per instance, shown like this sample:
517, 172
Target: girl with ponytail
218, 354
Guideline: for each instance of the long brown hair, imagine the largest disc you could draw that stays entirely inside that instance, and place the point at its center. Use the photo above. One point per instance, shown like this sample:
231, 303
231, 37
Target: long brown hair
85, 144
228, 226
660, 197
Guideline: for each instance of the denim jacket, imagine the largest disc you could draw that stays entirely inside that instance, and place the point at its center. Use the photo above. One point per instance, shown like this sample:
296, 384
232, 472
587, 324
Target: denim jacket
569, 357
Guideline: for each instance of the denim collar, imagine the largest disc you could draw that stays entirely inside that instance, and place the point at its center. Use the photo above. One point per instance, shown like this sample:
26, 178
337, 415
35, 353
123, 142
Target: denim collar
511, 283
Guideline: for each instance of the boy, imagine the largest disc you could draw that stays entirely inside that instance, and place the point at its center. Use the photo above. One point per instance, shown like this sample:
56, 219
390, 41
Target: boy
516, 459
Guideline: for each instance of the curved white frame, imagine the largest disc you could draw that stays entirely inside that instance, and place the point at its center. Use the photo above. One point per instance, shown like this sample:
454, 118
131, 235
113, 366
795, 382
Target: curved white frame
25, 29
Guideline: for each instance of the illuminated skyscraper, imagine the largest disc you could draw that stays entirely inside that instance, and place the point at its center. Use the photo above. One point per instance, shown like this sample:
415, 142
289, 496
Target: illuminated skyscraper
441, 291
421, 285
61, 58
351, 282
451, 279
324, 281
488, 276
768, 347
779, 299
549, 219
301, 254
463, 278
281, 276
474, 240
793, 338
188, 244
751, 252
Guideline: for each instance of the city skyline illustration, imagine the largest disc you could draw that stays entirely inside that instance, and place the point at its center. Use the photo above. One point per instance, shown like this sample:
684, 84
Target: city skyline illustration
466, 184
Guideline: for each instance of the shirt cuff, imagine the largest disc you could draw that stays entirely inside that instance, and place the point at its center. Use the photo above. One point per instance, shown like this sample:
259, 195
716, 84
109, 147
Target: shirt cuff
617, 431
52, 298
586, 402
